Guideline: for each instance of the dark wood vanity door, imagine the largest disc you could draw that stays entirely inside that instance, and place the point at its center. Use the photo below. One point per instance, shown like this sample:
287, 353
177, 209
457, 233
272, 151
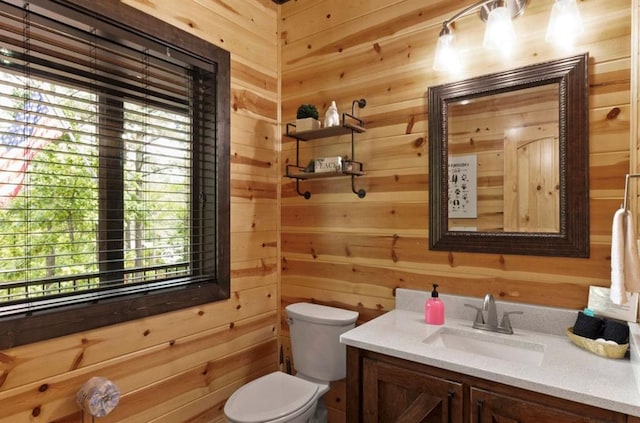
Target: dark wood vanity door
394, 394
490, 407
383, 389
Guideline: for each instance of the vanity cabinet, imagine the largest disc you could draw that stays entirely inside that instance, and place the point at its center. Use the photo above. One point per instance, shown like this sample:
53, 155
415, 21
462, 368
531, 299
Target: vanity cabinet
491, 407
397, 394
382, 388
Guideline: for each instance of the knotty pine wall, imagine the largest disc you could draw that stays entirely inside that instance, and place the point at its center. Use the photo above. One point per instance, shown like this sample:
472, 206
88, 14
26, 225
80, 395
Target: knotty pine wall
353, 253
336, 249
182, 366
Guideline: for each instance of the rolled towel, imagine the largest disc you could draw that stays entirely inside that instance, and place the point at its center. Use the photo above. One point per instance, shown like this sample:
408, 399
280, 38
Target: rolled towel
587, 326
616, 331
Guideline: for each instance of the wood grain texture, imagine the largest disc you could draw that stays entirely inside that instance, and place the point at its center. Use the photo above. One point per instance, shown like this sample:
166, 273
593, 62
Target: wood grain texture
353, 253
182, 366
334, 249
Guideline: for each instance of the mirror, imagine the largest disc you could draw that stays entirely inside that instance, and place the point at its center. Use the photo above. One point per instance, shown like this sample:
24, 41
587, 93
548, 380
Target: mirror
508, 162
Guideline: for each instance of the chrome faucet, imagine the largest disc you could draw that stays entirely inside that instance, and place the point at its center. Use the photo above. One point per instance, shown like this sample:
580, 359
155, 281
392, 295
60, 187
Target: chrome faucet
491, 322
489, 306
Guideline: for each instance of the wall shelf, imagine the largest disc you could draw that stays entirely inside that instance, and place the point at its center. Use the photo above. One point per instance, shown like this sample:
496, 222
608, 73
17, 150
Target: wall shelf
351, 168
332, 131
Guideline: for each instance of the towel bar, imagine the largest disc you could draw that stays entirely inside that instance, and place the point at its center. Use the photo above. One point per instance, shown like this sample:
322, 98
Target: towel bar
626, 187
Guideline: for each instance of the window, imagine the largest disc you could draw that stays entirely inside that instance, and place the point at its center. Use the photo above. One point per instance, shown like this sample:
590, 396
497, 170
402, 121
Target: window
114, 169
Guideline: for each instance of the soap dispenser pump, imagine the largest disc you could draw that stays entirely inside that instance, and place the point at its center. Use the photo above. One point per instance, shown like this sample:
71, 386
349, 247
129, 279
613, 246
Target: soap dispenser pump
434, 308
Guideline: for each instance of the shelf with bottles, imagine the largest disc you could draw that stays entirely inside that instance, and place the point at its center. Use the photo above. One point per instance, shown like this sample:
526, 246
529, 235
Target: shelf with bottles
349, 124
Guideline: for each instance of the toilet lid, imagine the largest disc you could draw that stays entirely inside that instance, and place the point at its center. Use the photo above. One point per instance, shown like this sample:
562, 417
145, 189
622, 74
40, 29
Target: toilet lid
269, 397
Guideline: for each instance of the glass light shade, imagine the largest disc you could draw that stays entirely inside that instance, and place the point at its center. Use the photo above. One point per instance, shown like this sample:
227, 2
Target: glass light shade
499, 34
565, 23
446, 57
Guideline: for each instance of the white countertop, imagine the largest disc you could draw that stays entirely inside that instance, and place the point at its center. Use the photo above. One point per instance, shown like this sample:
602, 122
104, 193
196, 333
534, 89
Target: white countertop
566, 371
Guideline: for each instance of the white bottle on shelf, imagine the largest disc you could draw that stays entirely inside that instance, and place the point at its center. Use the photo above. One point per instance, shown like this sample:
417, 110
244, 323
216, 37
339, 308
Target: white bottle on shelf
331, 117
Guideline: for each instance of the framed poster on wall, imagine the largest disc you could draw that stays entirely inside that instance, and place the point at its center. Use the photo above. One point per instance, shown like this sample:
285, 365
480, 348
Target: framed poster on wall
463, 186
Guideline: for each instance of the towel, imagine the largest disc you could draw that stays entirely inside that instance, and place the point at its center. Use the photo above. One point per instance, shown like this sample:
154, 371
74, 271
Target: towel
625, 263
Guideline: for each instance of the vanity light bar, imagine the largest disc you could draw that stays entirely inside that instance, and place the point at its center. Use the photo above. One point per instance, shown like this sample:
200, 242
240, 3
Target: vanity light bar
565, 24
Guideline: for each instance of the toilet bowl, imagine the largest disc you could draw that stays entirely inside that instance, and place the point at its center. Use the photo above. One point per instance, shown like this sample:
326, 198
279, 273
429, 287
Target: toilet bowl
275, 398
319, 358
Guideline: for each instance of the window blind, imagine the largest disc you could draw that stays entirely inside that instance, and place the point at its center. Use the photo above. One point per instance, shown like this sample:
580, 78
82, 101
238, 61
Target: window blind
107, 162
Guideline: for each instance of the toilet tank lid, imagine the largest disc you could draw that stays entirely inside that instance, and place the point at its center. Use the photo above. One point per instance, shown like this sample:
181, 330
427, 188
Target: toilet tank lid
325, 315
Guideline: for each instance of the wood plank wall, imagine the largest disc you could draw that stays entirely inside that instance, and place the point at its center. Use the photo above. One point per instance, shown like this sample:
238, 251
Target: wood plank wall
353, 253
336, 249
182, 366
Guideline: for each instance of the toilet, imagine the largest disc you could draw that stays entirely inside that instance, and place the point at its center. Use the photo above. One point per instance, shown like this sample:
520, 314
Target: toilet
319, 358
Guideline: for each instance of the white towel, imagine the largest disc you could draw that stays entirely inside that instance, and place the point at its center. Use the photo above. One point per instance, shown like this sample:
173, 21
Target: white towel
625, 263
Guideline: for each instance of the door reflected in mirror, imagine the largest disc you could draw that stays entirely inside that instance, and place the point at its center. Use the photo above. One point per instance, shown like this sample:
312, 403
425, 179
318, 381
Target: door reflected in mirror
504, 162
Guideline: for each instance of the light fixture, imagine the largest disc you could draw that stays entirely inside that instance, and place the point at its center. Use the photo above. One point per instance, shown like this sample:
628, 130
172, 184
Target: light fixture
499, 34
446, 58
565, 24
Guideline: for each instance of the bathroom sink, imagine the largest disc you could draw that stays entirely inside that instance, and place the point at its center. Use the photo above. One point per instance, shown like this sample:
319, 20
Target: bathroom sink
488, 344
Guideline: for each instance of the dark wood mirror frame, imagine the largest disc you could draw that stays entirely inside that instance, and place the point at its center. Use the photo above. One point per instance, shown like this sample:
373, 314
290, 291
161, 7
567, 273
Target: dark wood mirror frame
571, 74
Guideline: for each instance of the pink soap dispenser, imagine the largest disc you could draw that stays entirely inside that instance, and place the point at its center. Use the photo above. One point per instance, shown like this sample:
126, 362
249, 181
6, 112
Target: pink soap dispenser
434, 308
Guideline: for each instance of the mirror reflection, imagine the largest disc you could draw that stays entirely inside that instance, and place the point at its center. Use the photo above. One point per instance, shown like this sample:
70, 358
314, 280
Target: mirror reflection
509, 161
504, 162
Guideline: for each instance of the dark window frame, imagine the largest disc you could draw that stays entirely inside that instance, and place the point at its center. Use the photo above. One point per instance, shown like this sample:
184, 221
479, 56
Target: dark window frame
65, 320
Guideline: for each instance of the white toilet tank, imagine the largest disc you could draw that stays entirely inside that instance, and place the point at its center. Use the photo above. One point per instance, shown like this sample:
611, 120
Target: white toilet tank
315, 339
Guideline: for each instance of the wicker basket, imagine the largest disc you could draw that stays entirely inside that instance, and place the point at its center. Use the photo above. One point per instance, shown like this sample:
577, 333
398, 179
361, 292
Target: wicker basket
599, 348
